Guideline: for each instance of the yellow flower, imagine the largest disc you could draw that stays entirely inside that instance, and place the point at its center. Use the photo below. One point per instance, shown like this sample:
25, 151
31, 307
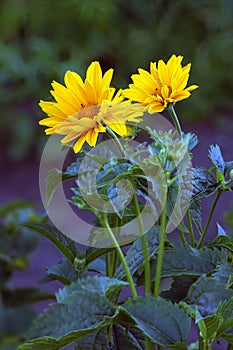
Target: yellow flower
83, 108
165, 84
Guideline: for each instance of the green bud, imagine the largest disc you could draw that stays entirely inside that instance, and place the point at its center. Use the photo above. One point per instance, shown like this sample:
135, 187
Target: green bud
79, 263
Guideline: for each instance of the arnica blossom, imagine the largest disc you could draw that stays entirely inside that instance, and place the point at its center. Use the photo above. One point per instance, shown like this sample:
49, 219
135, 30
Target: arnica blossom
83, 109
165, 84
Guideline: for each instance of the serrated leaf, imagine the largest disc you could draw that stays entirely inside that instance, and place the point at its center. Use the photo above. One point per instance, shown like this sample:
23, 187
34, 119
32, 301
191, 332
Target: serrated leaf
207, 293
66, 245
60, 325
94, 341
225, 310
224, 273
187, 261
63, 271
135, 255
204, 183
122, 338
102, 285
216, 157
163, 322
222, 241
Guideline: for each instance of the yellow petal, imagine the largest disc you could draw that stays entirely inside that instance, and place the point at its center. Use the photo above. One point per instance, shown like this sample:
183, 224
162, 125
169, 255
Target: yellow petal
79, 143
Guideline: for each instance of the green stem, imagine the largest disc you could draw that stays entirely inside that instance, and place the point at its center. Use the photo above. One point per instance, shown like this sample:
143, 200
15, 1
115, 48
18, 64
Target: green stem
144, 244
108, 264
192, 240
183, 239
113, 263
160, 252
121, 256
208, 220
175, 119
115, 138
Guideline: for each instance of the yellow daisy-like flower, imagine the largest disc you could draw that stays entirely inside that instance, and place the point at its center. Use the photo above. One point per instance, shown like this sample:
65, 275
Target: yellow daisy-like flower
83, 108
165, 84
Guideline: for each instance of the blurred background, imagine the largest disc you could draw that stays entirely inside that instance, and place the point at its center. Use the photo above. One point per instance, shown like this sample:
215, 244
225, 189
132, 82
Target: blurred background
41, 39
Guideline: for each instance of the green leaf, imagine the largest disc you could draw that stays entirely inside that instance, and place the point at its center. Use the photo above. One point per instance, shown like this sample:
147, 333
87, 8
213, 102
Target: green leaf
66, 245
195, 212
102, 285
52, 181
228, 167
222, 242
224, 273
97, 340
188, 261
207, 293
135, 255
122, 338
93, 253
63, 271
217, 158
225, 310
82, 308
163, 322
204, 183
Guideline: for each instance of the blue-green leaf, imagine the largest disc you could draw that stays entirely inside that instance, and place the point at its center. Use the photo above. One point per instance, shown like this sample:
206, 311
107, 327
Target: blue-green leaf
163, 322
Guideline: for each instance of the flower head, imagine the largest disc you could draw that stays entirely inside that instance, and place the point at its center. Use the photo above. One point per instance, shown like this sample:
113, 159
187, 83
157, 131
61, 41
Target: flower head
165, 84
83, 108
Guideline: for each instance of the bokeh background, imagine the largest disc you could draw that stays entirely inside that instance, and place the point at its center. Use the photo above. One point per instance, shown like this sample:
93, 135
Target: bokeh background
41, 39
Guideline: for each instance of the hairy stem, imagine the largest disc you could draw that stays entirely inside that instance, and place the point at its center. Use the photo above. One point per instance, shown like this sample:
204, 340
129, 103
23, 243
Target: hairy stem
144, 244
121, 256
160, 252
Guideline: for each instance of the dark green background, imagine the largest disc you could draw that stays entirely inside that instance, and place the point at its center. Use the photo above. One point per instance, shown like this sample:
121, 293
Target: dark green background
41, 39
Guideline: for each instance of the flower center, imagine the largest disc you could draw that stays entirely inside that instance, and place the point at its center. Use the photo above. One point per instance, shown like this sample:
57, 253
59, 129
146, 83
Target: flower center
88, 112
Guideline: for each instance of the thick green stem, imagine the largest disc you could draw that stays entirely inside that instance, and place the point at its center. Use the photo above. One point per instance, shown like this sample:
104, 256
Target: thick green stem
121, 256
144, 244
208, 220
160, 252
175, 119
191, 233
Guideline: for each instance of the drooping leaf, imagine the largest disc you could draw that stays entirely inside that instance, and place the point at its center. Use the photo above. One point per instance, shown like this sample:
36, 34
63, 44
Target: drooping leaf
135, 255
66, 245
204, 183
216, 157
53, 179
163, 322
207, 293
82, 308
195, 212
63, 271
